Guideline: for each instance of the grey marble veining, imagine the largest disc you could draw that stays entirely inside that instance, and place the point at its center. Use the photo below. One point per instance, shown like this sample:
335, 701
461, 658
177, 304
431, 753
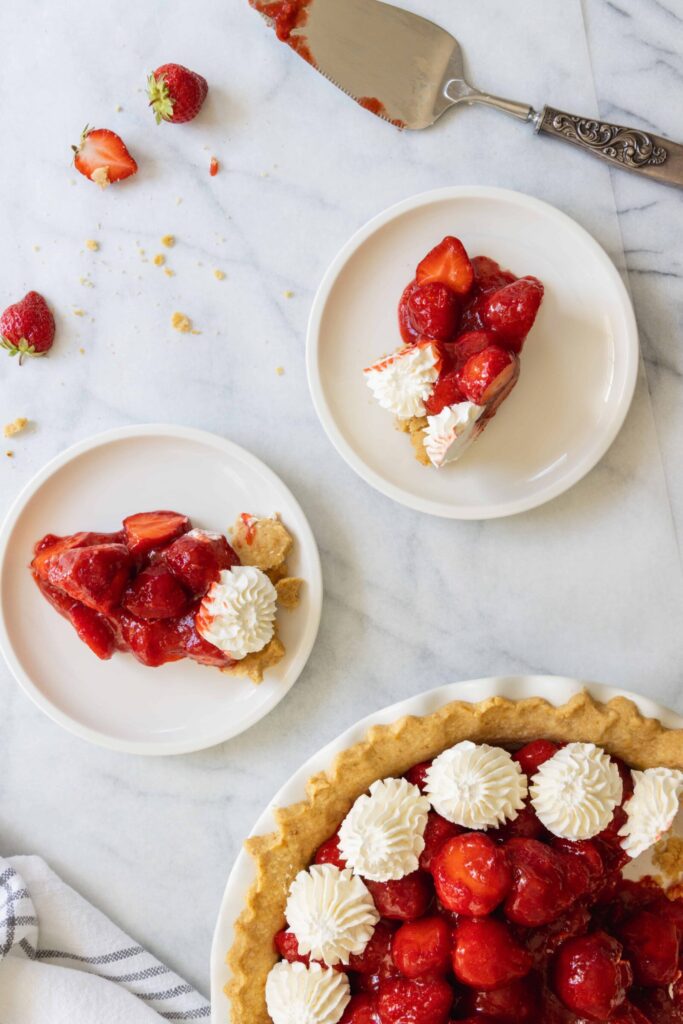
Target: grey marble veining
589, 585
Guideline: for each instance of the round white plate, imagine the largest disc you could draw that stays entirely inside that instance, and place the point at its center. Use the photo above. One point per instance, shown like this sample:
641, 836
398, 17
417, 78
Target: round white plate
555, 689
120, 703
579, 365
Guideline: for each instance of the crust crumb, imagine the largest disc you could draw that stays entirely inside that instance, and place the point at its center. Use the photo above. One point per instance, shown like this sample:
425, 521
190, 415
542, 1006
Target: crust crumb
264, 543
416, 427
159, 259
16, 427
92, 245
289, 592
668, 857
254, 665
168, 241
181, 323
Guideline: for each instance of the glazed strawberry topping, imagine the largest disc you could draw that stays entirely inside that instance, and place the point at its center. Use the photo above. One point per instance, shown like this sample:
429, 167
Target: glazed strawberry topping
471, 874
515, 926
434, 310
422, 947
448, 264
136, 590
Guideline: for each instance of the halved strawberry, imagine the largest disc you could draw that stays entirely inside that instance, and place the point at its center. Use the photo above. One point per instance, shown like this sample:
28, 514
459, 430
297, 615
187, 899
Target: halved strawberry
511, 311
487, 374
155, 594
405, 320
52, 545
147, 530
94, 630
102, 156
489, 275
92, 627
447, 391
449, 264
95, 575
466, 345
197, 558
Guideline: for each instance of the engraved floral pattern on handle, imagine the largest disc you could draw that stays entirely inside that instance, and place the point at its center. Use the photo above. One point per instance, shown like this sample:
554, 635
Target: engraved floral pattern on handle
628, 146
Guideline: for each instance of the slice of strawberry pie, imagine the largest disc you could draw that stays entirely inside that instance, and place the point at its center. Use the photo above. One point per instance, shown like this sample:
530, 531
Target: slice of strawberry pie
464, 323
164, 591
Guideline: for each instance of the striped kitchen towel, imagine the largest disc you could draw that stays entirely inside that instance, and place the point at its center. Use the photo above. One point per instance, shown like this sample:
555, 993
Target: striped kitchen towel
63, 962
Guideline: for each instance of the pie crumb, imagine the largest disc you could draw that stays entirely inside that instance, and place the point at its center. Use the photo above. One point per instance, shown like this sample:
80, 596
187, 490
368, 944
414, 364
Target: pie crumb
416, 428
264, 543
169, 272
78, 312
101, 177
16, 427
168, 241
10, 455
668, 856
181, 323
159, 260
254, 665
289, 592
219, 275
279, 370
288, 294
92, 245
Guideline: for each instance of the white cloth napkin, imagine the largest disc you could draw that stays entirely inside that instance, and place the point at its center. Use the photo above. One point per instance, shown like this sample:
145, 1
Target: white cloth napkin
63, 962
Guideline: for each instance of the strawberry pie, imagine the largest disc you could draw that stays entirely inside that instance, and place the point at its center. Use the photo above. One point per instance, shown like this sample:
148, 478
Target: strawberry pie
451, 868
163, 590
463, 323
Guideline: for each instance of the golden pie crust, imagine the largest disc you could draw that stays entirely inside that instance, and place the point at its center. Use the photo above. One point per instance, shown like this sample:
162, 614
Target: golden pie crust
389, 750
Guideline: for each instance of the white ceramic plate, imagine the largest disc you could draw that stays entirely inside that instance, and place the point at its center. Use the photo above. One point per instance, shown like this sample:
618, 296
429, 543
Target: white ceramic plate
120, 703
555, 689
579, 365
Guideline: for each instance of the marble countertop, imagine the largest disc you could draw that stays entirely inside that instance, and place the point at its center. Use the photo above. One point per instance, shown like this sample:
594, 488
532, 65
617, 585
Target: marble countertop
590, 585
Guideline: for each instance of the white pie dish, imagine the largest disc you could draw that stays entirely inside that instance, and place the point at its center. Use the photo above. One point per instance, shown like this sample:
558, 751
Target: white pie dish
579, 366
120, 703
555, 689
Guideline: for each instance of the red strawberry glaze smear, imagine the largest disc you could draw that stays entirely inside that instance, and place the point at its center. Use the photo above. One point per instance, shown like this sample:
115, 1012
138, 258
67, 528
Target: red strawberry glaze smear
250, 524
515, 926
288, 15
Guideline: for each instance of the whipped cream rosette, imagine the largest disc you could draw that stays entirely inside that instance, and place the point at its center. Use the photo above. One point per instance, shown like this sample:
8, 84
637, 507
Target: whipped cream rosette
238, 613
381, 837
403, 382
301, 994
652, 808
476, 786
575, 792
331, 913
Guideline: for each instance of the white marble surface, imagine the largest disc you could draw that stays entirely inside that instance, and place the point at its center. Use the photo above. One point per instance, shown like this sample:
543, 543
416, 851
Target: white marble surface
590, 585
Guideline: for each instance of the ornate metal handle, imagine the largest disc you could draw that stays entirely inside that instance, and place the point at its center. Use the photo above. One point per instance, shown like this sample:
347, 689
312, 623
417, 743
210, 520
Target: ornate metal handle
630, 148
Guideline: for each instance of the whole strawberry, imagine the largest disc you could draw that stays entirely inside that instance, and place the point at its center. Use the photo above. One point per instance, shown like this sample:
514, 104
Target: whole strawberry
27, 328
176, 94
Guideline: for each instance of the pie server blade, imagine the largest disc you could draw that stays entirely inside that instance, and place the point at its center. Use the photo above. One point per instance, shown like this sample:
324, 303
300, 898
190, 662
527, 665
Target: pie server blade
409, 71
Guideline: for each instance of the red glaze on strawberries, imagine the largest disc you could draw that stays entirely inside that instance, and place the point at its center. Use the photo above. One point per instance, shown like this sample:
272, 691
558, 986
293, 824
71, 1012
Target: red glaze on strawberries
486, 955
424, 1001
422, 947
434, 310
590, 976
471, 874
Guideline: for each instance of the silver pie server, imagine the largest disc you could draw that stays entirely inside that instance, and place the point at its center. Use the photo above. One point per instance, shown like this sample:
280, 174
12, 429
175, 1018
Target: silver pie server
410, 71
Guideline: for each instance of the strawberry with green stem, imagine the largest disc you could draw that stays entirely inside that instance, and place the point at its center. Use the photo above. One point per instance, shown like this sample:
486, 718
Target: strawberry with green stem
176, 94
27, 328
